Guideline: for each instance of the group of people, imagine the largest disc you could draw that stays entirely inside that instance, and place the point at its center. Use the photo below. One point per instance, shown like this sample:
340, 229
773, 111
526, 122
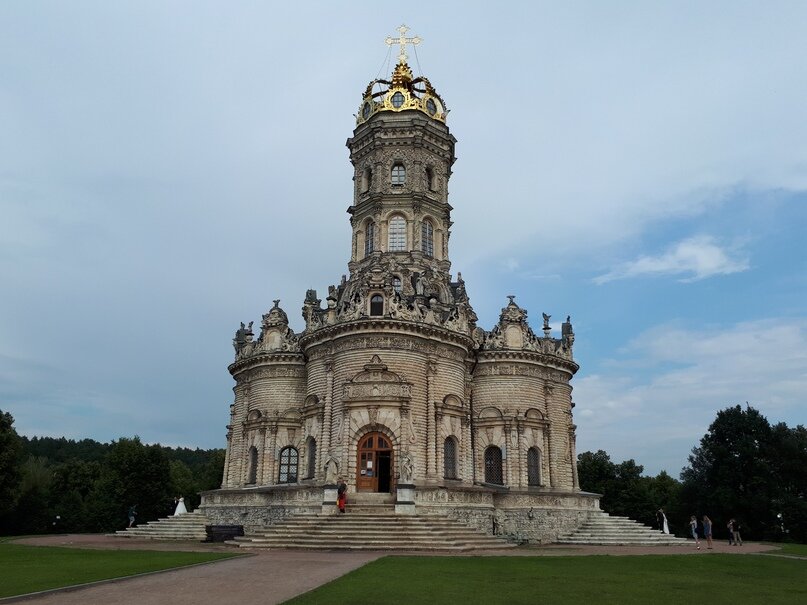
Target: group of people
732, 526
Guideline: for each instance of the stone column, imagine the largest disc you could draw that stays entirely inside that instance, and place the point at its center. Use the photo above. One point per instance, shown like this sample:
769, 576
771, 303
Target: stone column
327, 424
431, 468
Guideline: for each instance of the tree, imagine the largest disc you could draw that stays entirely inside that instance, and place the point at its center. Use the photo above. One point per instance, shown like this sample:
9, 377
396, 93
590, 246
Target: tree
10, 450
132, 474
748, 470
626, 492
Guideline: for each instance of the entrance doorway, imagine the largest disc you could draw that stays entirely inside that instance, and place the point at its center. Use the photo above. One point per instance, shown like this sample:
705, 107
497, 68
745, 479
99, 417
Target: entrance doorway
374, 464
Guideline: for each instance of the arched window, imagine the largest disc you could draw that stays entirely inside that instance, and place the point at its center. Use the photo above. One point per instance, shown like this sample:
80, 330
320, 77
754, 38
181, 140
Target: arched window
493, 465
376, 305
397, 234
398, 175
311, 452
252, 476
289, 458
533, 466
396, 284
369, 238
450, 458
429, 179
366, 180
427, 238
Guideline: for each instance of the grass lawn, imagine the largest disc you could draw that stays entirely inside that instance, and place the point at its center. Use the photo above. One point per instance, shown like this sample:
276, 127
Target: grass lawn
791, 549
657, 579
26, 569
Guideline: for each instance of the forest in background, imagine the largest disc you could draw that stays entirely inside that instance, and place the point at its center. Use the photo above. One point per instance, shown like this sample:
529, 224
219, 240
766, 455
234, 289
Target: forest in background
743, 468
61, 485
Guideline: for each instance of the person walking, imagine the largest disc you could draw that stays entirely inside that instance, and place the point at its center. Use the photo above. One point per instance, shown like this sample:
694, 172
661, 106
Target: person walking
693, 528
132, 514
730, 528
707, 531
341, 494
664, 526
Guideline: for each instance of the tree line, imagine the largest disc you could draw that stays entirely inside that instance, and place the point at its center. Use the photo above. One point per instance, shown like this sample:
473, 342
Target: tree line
62, 485
744, 468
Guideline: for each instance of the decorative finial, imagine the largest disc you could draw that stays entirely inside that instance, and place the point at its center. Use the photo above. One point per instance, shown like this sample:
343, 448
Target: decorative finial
403, 41
277, 303
511, 297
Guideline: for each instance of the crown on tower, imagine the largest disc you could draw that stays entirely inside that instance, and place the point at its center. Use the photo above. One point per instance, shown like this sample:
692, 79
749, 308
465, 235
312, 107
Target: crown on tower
403, 92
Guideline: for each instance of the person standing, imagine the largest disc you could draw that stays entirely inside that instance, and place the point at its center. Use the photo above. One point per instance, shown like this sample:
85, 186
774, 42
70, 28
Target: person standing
693, 528
660, 519
707, 531
664, 526
341, 494
132, 514
180, 510
735, 528
730, 528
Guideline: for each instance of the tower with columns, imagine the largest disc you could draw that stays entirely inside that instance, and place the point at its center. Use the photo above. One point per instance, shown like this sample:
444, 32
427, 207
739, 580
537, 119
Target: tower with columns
391, 384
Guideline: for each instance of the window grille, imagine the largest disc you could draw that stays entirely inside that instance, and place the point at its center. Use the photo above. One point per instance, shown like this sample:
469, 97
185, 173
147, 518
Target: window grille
289, 457
312, 457
397, 234
396, 284
450, 458
252, 478
493, 465
427, 238
533, 466
398, 174
369, 239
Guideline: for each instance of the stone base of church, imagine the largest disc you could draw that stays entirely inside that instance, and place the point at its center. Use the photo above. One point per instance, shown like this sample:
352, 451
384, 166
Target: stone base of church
536, 516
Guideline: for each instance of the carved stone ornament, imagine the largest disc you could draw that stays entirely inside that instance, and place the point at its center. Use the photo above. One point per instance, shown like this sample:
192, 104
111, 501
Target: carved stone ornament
377, 383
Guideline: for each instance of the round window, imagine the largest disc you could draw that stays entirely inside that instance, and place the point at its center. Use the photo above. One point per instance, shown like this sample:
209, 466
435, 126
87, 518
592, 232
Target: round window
397, 100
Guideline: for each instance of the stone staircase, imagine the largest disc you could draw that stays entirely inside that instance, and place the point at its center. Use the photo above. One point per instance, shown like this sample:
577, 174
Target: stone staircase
606, 530
190, 526
371, 524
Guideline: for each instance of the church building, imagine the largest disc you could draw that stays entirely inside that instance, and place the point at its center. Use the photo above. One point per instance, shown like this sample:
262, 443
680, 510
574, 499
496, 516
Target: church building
392, 385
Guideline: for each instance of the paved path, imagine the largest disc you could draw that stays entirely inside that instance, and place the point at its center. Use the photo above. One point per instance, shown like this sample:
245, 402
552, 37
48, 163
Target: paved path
273, 576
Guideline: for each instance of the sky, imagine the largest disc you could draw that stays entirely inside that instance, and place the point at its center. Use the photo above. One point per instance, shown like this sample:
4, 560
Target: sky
167, 169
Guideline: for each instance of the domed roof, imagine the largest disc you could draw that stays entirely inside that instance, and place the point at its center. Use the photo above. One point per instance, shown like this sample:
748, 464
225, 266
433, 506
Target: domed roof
403, 92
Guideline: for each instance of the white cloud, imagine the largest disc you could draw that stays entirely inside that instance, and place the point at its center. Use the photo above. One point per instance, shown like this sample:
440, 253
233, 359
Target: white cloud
696, 258
656, 416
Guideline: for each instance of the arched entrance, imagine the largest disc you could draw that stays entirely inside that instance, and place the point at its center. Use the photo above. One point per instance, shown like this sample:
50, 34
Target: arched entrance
374, 463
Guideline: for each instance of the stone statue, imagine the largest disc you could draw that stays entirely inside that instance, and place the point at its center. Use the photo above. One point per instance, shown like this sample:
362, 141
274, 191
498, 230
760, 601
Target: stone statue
331, 470
407, 468
243, 336
546, 321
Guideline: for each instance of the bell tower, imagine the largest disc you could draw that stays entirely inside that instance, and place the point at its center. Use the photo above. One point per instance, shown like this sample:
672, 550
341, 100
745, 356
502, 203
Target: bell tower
402, 153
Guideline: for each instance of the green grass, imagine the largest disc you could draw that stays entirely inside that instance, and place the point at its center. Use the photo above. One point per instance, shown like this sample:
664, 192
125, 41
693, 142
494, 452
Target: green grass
791, 549
656, 579
25, 569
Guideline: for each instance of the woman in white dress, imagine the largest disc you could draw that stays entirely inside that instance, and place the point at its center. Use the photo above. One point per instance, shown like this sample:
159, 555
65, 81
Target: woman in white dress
181, 510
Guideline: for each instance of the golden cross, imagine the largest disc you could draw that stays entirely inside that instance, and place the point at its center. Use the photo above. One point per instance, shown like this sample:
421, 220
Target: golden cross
403, 41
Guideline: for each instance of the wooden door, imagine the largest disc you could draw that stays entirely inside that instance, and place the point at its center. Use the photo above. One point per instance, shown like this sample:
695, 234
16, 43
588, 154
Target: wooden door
374, 461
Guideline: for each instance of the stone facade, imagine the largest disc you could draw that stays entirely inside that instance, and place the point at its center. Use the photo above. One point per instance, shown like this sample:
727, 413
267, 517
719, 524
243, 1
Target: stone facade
392, 385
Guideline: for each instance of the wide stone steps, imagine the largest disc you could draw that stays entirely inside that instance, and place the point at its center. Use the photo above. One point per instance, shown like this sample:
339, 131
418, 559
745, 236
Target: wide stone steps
602, 529
190, 526
365, 531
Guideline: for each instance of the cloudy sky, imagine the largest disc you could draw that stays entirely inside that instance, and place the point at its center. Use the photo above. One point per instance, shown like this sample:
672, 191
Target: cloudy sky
167, 169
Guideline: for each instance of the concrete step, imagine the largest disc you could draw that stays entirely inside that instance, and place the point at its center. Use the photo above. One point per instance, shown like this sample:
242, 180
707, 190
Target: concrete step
602, 529
190, 526
363, 531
